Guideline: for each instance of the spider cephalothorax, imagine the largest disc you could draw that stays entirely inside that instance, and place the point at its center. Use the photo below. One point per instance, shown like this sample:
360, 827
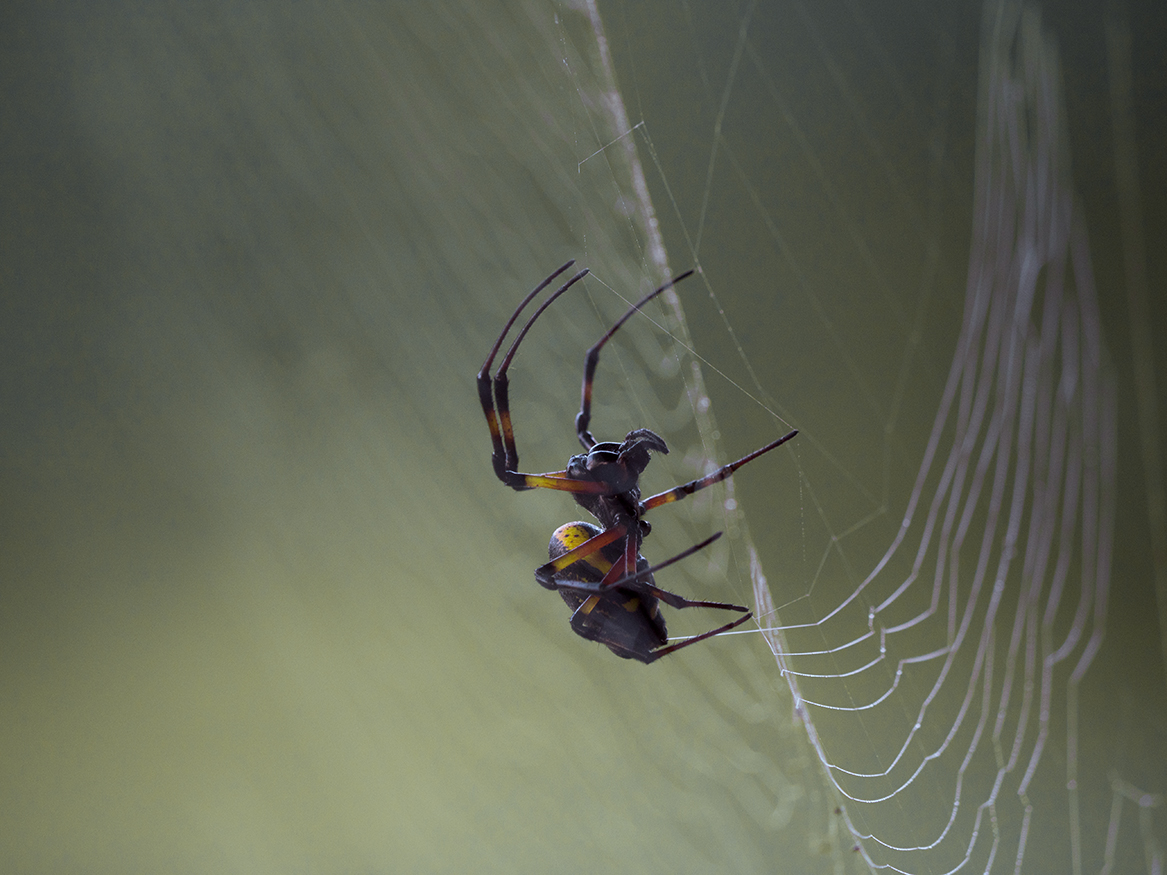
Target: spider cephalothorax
618, 466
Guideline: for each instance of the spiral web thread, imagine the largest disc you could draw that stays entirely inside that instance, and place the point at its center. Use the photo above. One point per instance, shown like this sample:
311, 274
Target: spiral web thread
930, 692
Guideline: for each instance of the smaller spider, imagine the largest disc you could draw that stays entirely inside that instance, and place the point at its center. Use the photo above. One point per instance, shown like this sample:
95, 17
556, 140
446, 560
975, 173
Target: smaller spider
598, 570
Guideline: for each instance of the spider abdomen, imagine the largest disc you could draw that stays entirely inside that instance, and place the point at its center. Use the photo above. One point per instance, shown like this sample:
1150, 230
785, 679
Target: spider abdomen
627, 620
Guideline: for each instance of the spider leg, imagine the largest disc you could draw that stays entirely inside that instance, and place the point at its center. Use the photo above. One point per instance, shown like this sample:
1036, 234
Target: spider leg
584, 417
619, 571
485, 392
558, 480
638, 576
686, 489
496, 404
614, 574
679, 602
673, 648
545, 574
638, 581
484, 373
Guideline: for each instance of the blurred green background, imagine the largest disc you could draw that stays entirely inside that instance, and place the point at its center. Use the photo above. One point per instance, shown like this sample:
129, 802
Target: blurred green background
263, 606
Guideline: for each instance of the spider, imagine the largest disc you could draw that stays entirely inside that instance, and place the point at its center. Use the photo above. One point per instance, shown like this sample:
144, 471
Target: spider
598, 570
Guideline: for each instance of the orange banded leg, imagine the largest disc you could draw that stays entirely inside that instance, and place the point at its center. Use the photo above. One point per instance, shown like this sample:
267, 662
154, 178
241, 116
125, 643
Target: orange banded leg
560, 481
583, 552
584, 417
587, 550
485, 393
686, 489
557, 480
610, 572
494, 398
627, 564
641, 578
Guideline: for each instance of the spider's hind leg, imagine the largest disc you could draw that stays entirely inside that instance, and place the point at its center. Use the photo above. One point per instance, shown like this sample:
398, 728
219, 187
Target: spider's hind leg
665, 651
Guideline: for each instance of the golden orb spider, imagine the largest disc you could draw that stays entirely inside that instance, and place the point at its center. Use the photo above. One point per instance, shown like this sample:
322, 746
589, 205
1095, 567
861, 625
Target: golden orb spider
598, 570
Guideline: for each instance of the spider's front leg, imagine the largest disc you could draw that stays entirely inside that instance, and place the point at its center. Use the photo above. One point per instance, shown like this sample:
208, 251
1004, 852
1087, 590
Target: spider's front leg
722, 473
493, 392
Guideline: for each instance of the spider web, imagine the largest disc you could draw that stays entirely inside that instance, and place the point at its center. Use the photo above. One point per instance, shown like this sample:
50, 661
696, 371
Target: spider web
938, 680
1002, 561
264, 607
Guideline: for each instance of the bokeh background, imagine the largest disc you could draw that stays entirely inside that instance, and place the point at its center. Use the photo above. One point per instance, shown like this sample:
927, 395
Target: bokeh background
263, 606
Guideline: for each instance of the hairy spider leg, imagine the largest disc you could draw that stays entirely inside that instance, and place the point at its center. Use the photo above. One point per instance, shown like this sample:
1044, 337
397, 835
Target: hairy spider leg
505, 457
686, 489
584, 417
